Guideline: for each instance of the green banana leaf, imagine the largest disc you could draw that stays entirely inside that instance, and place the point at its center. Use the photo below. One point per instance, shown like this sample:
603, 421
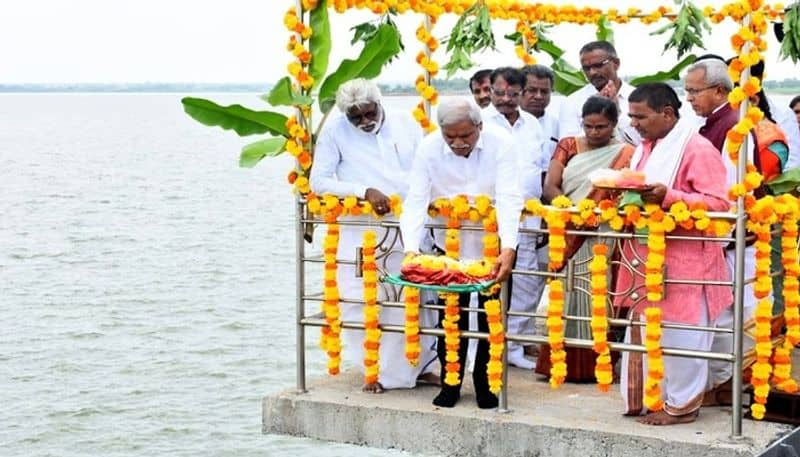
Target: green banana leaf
673, 73
242, 120
320, 42
376, 52
282, 94
568, 79
254, 152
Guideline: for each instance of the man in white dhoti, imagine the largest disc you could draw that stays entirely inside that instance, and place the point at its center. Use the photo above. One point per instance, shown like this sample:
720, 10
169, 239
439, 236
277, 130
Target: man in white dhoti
367, 153
504, 113
472, 159
599, 63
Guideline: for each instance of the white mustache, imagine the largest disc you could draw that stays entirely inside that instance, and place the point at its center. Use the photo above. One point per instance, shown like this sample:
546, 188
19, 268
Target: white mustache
368, 127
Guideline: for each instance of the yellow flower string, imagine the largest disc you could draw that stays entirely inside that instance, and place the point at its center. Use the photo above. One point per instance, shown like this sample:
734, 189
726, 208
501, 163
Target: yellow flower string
761, 216
656, 250
523, 49
413, 349
372, 330
655, 362
782, 377
598, 267
494, 369
451, 339
555, 334
431, 69
352, 206
330, 340
557, 229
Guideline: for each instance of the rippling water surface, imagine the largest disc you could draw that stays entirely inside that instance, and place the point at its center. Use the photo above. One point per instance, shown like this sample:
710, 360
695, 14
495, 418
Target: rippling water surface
146, 283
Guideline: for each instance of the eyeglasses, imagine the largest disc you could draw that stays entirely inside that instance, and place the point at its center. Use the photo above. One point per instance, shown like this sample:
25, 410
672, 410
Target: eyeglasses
595, 66
503, 93
372, 115
694, 92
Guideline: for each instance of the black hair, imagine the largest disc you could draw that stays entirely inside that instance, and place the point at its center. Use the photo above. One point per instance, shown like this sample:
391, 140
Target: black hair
794, 101
756, 70
711, 57
512, 76
539, 72
657, 96
601, 105
479, 76
602, 45
763, 105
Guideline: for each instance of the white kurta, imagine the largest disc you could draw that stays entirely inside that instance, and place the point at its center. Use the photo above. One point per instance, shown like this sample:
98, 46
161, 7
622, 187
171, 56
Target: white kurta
532, 160
569, 119
348, 161
549, 124
490, 169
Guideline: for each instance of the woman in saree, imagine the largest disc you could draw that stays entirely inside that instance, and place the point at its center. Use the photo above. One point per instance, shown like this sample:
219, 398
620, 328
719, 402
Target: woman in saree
572, 161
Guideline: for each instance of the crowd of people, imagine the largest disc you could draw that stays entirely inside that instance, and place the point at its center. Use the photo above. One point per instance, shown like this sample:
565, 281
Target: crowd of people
506, 143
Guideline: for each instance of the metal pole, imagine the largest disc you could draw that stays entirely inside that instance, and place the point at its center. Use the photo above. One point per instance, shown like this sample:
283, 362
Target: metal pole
504, 302
738, 287
300, 311
299, 255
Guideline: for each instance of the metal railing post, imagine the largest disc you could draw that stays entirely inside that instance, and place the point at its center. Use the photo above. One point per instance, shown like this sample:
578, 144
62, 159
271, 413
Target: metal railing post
300, 311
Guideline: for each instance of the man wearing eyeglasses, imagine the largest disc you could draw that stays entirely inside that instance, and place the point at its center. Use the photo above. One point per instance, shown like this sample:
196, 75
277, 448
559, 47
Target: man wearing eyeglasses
599, 63
507, 84
707, 85
368, 153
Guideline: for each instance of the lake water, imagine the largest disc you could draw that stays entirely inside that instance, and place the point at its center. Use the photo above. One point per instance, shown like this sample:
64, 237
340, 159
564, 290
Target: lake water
146, 282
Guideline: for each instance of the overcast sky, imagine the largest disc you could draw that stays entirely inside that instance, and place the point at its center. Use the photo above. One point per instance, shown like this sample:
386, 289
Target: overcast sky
45, 41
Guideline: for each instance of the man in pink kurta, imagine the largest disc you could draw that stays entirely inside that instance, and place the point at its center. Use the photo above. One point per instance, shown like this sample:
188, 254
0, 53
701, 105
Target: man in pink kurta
680, 165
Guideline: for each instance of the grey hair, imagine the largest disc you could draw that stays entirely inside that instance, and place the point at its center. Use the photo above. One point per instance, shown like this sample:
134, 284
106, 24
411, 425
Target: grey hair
716, 73
357, 92
458, 109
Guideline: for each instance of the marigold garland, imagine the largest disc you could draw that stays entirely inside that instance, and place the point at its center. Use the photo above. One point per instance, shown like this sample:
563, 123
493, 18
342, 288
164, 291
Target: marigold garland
330, 340
555, 334
372, 330
557, 229
598, 267
351, 206
431, 69
529, 40
452, 339
761, 368
413, 348
497, 337
656, 251
655, 362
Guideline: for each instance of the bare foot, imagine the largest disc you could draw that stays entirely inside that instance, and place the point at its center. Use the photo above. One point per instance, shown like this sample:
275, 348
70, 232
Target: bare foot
372, 388
722, 395
662, 418
428, 379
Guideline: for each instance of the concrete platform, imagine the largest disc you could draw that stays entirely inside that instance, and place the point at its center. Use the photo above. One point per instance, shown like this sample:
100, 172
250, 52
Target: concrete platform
575, 420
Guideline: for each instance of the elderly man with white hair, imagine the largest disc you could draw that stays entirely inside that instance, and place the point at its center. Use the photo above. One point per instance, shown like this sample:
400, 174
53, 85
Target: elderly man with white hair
367, 153
473, 159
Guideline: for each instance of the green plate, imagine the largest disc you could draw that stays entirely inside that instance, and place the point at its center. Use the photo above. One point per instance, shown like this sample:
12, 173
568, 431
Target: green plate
458, 288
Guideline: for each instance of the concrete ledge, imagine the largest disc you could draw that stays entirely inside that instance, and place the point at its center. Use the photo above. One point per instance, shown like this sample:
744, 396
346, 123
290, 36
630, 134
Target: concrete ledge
576, 420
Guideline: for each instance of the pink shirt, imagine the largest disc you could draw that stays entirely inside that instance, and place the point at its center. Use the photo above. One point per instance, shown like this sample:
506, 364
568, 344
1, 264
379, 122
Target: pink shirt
701, 178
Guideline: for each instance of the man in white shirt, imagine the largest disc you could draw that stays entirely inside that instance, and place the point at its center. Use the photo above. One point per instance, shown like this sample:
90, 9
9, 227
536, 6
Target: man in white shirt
507, 84
473, 159
599, 63
535, 99
367, 153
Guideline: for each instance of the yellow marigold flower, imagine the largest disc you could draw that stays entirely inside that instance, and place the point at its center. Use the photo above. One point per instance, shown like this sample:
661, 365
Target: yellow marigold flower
562, 201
